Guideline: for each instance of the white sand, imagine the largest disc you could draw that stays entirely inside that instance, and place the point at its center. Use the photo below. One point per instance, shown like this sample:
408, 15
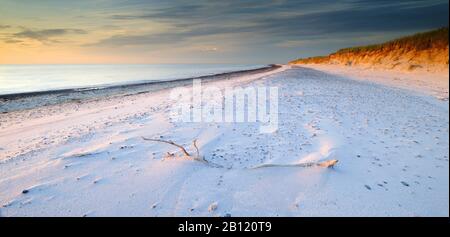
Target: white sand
89, 159
422, 81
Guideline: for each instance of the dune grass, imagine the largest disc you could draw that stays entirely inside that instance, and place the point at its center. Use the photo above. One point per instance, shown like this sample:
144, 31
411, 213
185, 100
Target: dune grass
421, 41
435, 39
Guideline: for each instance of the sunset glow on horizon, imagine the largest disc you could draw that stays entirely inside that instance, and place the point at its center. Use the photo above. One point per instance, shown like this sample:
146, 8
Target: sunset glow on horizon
137, 31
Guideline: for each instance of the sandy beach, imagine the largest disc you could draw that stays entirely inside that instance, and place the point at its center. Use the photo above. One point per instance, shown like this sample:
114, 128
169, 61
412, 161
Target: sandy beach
88, 158
433, 82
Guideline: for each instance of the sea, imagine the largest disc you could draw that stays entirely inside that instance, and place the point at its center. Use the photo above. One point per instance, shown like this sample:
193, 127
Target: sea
17, 79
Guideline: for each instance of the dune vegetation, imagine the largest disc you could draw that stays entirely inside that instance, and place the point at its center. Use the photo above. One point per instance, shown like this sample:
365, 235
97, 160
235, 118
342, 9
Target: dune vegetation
428, 50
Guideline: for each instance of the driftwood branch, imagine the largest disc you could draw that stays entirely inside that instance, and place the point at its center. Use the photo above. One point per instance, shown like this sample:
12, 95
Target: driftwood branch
324, 164
197, 157
169, 142
196, 147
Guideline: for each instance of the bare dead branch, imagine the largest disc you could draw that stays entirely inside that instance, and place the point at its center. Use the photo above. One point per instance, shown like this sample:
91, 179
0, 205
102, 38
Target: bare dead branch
324, 164
196, 147
168, 142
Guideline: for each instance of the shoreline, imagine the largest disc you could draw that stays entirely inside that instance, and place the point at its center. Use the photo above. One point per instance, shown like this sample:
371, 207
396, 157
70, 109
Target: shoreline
28, 100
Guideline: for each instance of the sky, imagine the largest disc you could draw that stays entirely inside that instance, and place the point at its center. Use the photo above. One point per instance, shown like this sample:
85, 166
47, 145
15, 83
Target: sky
201, 31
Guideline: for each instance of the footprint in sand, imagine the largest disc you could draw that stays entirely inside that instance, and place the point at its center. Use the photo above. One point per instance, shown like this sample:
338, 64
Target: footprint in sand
405, 183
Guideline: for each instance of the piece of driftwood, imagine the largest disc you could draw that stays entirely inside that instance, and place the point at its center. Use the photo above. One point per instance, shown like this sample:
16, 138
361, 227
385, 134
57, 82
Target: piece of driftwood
324, 164
194, 143
196, 157
169, 142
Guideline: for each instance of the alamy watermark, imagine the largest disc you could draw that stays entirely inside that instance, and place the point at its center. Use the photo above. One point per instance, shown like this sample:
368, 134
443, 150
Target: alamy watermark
229, 105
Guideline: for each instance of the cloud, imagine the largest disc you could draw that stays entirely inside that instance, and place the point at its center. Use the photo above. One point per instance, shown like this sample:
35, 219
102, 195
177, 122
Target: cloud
171, 13
209, 49
251, 29
4, 26
360, 18
12, 41
46, 35
283, 20
171, 36
129, 40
